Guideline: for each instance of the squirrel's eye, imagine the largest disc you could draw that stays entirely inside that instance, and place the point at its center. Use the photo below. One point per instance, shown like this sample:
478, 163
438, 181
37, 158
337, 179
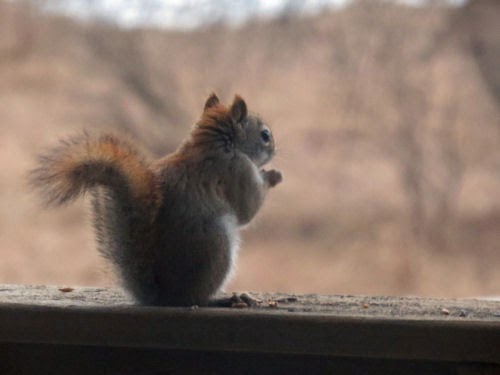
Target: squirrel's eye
265, 135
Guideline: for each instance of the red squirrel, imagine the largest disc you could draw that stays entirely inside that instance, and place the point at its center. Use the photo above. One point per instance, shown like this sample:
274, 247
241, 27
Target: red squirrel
169, 226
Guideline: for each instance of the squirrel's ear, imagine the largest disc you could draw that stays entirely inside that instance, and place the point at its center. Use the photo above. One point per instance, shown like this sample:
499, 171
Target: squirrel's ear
238, 109
211, 101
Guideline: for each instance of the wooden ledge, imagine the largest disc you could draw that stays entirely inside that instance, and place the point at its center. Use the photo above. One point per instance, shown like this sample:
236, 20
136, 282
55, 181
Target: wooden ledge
459, 331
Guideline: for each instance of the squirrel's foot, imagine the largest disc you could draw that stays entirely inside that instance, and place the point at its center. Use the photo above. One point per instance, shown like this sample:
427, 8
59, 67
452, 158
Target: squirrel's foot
241, 301
247, 299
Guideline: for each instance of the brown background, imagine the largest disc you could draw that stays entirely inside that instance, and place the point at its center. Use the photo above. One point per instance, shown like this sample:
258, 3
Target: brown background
386, 118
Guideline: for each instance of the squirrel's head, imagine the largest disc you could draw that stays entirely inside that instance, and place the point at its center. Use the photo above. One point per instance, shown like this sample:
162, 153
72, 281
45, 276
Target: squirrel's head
240, 130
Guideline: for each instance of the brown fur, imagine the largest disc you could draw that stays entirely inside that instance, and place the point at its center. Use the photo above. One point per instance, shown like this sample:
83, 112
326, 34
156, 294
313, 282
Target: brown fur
169, 226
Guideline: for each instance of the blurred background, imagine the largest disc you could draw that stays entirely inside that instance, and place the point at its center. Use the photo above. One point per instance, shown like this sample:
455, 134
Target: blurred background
386, 116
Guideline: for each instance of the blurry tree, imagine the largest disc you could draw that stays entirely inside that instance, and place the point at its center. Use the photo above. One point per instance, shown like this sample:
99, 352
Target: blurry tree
479, 22
420, 137
130, 60
426, 147
150, 82
17, 31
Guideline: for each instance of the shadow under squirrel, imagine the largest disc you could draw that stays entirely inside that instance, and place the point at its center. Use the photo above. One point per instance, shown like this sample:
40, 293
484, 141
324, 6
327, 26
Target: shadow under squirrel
170, 226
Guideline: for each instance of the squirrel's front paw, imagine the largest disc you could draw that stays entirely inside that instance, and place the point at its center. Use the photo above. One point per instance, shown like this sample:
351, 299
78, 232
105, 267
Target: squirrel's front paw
272, 177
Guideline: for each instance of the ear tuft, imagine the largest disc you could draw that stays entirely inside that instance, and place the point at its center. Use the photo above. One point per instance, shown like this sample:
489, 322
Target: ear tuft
211, 101
238, 109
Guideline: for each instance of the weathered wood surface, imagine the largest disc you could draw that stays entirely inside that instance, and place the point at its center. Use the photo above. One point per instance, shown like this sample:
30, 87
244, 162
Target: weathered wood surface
458, 330
376, 327
374, 307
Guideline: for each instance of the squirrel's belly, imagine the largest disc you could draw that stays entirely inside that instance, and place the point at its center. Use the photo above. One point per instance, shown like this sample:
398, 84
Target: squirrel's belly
230, 224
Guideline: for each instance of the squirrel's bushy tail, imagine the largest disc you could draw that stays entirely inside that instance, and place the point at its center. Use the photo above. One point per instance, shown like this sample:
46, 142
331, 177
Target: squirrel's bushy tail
125, 199
85, 161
